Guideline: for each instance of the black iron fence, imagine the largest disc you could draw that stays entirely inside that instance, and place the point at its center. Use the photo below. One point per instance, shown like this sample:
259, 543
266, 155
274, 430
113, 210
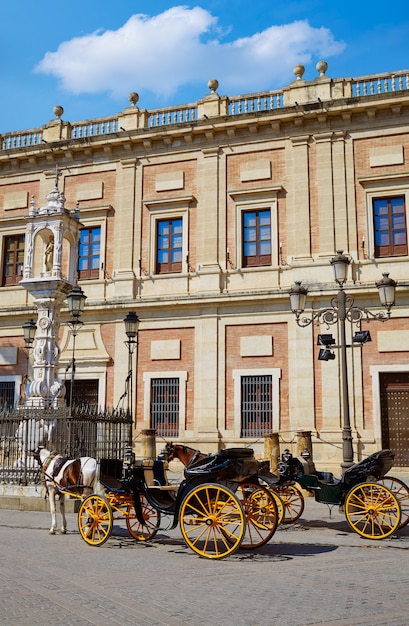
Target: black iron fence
82, 431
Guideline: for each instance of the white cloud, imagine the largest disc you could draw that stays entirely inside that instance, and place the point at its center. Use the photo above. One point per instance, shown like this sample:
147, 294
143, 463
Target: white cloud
182, 47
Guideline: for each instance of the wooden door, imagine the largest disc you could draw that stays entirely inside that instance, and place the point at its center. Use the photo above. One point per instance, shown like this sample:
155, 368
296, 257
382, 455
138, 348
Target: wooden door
394, 391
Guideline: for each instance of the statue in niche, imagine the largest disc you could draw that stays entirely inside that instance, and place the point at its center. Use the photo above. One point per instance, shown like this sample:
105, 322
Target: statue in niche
49, 254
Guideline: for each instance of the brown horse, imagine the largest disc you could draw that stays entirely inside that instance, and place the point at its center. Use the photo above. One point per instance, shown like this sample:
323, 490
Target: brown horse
187, 456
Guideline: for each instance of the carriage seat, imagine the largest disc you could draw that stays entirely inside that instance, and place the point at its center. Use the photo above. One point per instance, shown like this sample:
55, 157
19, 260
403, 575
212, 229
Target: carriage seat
154, 472
111, 473
328, 478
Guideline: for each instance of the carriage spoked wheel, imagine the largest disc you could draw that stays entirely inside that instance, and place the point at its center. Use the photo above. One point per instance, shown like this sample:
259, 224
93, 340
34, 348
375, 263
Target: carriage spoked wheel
212, 521
293, 502
280, 506
401, 491
261, 512
372, 511
143, 532
95, 520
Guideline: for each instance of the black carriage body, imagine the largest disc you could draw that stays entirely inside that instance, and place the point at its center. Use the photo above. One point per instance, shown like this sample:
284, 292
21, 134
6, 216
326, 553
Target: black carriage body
326, 487
227, 467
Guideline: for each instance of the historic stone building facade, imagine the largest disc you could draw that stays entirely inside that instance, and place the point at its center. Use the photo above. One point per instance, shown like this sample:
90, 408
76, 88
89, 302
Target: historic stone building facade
200, 218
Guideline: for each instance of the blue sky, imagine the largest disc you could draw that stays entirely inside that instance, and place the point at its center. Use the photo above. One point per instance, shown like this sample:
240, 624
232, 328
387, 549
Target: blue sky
89, 55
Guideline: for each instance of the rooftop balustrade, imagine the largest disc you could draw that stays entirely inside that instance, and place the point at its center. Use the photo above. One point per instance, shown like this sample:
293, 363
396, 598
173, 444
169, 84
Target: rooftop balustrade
298, 92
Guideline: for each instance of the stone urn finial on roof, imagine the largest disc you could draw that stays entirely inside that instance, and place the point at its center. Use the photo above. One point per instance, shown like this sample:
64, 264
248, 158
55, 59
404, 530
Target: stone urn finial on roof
213, 85
321, 67
133, 98
58, 111
299, 71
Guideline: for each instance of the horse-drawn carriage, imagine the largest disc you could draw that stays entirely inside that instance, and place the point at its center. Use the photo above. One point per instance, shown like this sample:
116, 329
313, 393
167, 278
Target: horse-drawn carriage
375, 505
229, 499
220, 505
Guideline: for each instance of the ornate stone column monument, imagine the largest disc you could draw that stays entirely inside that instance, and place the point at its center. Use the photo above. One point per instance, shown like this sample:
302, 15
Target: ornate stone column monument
50, 272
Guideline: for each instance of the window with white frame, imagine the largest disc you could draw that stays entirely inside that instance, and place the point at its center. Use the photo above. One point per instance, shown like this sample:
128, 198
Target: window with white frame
256, 228
387, 219
169, 245
256, 401
92, 243
165, 406
13, 259
256, 236
390, 233
165, 402
89, 253
169, 236
9, 391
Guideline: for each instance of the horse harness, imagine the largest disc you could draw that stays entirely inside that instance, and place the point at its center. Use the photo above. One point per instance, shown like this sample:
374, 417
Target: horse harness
59, 463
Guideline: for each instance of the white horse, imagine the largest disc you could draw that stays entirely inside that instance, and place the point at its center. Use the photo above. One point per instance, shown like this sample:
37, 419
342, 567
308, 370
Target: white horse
62, 475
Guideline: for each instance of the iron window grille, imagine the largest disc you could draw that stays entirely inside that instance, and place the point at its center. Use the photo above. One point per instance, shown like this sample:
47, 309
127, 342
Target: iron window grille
256, 405
7, 394
165, 406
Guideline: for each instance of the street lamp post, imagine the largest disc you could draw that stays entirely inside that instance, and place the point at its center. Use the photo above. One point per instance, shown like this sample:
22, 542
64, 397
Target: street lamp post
131, 322
29, 330
342, 309
76, 303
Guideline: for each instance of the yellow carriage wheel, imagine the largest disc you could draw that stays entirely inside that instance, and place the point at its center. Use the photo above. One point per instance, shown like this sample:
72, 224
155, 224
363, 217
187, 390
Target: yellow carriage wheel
401, 491
143, 532
95, 520
372, 511
280, 506
260, 510
293, 502
212, 521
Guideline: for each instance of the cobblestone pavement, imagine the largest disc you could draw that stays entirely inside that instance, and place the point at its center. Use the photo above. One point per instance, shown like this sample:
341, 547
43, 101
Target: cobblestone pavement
316, 571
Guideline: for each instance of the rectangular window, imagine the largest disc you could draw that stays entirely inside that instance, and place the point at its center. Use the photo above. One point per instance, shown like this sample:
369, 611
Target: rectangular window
389, 216
89, 253
164, 407
7, 394
256, 238
169, 240
13, 262
256, 405
84, 392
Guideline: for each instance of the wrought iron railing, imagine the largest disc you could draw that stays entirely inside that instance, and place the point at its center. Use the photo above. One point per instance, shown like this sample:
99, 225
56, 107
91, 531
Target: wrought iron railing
83, 431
